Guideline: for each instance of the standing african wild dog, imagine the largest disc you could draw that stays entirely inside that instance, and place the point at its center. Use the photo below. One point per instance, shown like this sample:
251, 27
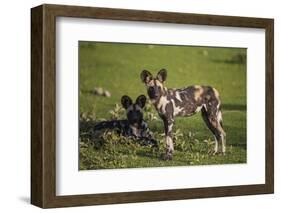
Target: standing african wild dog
134, 126
170, 103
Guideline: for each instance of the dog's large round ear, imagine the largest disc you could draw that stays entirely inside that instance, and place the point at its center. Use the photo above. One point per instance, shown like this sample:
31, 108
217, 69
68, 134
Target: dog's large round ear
126, 101
146, 76
141, 100
162, 75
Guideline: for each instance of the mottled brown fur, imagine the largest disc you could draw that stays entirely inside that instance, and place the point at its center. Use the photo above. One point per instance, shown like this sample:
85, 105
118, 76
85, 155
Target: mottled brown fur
170, 103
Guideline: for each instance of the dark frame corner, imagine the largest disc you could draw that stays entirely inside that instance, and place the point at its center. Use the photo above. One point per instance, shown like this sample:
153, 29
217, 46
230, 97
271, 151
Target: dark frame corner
43, 110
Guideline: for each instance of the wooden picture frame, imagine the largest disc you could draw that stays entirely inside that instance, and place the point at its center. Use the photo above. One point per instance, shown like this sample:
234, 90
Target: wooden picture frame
43, 105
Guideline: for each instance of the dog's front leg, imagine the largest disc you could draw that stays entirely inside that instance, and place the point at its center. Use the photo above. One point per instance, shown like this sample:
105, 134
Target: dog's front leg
168, 124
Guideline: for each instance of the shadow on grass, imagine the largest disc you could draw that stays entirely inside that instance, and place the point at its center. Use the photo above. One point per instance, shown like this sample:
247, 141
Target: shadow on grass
86, 129
90, 92
89, 136
230, 61
231, 107
235, 59
239, 145
147, 153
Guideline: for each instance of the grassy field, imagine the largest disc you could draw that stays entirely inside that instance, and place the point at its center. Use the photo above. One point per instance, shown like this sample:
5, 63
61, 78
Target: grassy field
117, 67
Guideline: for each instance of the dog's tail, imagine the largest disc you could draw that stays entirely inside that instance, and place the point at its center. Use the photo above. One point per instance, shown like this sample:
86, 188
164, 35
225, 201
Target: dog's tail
107, 125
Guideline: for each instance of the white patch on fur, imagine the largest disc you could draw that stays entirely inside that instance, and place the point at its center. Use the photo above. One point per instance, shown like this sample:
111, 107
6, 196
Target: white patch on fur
219, 116
176, 109
223, 142
135, 130
169, 143
158, 83
216, 93
198, 92
198, 109
162, 104
150, 83
178, 96
219, 103
216, 145
170, 127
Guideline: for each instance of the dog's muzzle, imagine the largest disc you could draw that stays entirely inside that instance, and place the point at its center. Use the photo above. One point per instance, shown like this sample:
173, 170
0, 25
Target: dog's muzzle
152, 93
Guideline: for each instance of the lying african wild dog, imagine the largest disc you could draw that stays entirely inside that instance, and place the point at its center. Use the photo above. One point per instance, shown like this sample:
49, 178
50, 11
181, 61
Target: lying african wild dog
170, 103
134, 127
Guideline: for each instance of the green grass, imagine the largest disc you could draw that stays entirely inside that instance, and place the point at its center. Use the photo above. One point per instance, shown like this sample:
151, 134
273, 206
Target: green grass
117, 68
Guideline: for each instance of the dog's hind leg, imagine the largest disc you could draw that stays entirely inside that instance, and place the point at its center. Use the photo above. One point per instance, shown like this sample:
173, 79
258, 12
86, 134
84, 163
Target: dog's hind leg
221, 130
205, 117
213, 121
